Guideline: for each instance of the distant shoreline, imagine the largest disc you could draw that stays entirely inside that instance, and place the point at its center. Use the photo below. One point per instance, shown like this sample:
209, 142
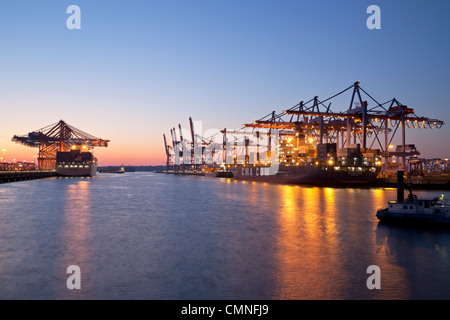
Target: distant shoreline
133, 168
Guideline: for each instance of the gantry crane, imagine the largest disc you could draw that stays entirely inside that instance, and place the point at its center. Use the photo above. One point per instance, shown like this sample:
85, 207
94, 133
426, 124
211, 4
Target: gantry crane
358, 123
365, 122
58, 136
177, 155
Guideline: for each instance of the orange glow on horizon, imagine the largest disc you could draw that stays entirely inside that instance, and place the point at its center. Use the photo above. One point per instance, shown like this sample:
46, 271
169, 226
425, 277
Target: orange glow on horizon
113, 155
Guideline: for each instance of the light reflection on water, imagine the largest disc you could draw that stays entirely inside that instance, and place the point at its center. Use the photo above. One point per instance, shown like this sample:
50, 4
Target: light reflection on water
75, 237
150, 236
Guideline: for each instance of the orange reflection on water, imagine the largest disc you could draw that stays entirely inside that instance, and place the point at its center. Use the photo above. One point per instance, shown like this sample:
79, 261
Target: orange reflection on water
77, 212
329, 213
308, 249
309, 211
288, 275
379, 198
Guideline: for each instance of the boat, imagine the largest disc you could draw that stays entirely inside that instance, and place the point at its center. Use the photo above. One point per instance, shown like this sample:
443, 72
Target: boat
120, 170
412, 210
76, 163
223, 172
325, 166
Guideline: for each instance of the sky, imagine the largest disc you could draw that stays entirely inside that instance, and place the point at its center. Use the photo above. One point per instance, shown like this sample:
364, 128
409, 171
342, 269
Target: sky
135, 69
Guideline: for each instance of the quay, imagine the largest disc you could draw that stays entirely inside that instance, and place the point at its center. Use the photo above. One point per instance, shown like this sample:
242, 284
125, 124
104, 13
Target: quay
428, 182
13, 176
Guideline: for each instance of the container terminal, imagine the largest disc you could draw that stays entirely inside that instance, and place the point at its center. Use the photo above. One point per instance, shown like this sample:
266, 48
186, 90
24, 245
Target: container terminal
310, 143
63, 151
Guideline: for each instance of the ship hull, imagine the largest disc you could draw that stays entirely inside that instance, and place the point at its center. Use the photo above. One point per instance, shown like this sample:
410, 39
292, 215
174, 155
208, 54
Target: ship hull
75, 163
416, 219
311, 175
89, 170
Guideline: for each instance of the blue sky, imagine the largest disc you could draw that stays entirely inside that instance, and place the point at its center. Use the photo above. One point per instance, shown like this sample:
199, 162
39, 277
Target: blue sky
138, 68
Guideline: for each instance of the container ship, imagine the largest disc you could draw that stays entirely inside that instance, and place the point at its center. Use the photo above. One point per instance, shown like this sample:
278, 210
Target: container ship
321, 165
76, 163
311, 174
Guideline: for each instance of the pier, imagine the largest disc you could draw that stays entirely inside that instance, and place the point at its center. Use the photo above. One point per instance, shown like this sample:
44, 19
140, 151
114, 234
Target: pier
13, 176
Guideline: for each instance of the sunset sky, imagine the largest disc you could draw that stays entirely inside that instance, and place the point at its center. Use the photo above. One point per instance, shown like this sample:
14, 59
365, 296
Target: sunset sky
135, 69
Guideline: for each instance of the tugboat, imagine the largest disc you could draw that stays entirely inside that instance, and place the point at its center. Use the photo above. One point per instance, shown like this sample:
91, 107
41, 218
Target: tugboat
412, 210
223, 172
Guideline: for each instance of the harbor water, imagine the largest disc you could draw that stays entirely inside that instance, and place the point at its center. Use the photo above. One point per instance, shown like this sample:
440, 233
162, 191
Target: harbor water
156, 236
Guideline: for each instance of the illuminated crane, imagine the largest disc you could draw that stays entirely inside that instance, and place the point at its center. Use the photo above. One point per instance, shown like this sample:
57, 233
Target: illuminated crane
366, 124
359, 123
56, 137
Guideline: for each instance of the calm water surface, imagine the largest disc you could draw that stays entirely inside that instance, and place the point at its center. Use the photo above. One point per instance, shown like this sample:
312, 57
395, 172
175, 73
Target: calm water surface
156, 236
